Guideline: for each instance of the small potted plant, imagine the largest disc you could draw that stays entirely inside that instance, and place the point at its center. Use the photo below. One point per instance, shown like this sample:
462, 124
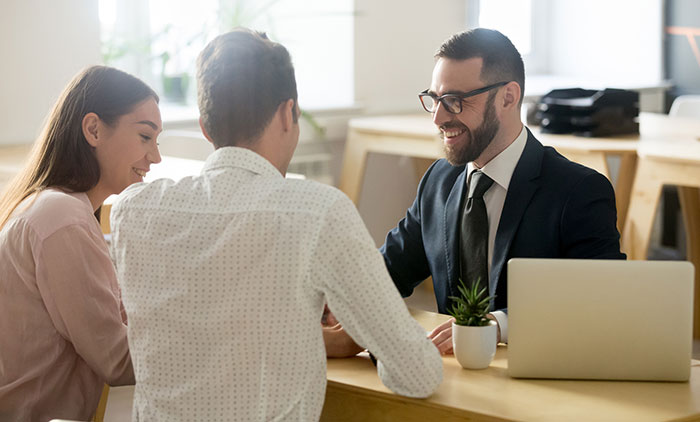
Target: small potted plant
474, 336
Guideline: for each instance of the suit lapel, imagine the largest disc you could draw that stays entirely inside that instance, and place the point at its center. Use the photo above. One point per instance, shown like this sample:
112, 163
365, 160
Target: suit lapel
450, 226
522, 186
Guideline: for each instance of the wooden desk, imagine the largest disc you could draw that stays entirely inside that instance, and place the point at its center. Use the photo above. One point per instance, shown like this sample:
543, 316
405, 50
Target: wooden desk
666, 163
355, 393
415, 136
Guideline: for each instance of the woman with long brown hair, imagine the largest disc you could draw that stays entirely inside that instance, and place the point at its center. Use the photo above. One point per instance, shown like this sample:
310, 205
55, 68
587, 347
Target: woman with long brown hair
62, 324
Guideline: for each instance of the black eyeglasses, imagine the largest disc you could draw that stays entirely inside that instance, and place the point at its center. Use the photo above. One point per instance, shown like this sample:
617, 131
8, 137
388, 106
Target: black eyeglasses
452, 102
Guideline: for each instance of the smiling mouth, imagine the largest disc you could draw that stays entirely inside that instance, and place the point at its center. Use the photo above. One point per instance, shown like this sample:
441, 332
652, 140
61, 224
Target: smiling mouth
451, 133
140, 172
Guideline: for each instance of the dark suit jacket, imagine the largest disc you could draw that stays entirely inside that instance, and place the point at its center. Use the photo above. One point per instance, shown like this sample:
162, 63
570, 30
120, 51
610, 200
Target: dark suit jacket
554, 208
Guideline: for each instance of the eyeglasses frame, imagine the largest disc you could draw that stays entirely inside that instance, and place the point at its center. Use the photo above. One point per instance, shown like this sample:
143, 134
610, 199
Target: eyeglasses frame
462, 97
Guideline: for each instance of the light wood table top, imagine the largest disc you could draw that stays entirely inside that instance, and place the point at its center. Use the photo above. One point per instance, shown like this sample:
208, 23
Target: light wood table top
355, 392
682, 151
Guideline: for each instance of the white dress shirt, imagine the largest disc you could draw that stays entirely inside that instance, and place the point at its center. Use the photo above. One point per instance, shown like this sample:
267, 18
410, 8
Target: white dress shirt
224, 278
500, 170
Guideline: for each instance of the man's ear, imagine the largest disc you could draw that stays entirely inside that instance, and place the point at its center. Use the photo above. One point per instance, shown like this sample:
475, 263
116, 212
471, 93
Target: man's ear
511, 94
91, 128
204, 132
288, 111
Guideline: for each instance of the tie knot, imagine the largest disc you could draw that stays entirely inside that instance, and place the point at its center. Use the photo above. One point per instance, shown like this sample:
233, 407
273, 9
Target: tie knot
479, 184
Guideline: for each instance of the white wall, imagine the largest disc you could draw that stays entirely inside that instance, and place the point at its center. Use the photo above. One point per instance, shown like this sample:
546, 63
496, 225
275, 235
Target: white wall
395, 41
616, 40
42, 45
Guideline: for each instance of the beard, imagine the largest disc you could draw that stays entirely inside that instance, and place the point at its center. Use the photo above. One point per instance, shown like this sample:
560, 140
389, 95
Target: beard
476, 141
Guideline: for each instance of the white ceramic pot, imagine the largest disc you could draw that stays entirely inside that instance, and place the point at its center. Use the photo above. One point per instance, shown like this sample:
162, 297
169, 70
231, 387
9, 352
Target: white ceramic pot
474, 347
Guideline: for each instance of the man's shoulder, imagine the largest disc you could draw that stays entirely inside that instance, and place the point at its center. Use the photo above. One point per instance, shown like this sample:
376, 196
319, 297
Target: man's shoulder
442, 169
557, 168
440, 175
311, 194
201, 195
439, 180
143, 194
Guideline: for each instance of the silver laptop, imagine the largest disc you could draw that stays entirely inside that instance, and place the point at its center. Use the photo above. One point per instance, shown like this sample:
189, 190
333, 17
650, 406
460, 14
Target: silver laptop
600, 319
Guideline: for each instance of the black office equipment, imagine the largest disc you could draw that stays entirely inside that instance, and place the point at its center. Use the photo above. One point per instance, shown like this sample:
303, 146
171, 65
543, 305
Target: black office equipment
590, 113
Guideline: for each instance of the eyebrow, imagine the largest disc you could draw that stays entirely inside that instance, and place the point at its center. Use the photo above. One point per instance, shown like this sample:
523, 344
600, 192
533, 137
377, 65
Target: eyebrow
149, 123
455, 93
431, 92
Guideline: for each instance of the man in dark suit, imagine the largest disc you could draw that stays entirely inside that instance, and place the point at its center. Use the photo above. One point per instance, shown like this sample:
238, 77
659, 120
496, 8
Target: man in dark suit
499, 194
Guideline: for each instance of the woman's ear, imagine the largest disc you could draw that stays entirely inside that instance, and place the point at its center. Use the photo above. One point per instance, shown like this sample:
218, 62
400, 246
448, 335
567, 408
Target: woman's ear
91, 124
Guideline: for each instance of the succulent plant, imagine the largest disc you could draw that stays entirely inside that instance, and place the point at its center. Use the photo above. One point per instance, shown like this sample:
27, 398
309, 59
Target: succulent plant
471, 306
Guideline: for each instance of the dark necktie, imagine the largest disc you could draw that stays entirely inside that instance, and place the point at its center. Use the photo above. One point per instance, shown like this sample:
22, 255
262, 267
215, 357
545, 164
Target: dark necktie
474, 233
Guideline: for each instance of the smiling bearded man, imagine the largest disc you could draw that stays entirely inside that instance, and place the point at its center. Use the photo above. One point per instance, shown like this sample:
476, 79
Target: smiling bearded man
499, 194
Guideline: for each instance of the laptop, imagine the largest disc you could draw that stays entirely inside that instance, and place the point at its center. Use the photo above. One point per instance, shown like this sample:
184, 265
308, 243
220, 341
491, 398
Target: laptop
600, 319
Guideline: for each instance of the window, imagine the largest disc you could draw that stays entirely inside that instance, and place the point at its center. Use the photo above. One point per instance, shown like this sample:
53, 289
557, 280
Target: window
592, 43
515, 23
523, 21
159, 41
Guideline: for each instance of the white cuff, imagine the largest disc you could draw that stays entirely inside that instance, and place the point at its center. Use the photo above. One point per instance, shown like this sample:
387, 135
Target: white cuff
502, 320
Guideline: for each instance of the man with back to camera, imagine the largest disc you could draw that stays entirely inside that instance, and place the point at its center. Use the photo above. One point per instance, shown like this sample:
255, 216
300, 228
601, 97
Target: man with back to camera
225, 274
499, 194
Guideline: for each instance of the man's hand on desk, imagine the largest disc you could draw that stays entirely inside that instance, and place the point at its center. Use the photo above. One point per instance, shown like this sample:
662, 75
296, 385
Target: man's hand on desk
338, 343
441, 335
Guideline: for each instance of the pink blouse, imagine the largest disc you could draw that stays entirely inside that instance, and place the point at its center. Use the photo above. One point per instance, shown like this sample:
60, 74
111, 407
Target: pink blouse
62, 324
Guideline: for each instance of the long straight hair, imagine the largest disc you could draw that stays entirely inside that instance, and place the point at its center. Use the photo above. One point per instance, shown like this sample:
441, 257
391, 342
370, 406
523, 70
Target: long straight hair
61, 157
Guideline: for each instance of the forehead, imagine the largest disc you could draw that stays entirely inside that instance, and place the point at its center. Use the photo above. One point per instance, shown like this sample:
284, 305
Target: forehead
450, 75
147, 110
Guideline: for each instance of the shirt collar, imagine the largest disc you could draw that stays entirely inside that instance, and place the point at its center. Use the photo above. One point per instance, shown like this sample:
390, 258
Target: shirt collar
500, 168
241, 158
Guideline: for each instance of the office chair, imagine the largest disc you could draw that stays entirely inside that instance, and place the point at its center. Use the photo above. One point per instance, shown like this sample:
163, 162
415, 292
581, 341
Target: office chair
686, 106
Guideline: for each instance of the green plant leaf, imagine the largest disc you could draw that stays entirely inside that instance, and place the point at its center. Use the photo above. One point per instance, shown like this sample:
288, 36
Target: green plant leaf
471, 306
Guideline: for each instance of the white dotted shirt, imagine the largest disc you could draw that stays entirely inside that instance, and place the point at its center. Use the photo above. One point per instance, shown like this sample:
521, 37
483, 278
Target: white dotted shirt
224, 277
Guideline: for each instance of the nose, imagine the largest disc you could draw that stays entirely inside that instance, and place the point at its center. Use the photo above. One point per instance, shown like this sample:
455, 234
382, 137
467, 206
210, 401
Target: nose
440, 115
153, 155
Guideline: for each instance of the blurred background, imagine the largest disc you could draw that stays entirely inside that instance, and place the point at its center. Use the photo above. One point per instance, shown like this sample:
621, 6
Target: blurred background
352, 58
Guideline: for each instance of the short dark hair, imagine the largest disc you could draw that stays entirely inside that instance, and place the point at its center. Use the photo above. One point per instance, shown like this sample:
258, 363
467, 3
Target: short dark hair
502, 61
242, 79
